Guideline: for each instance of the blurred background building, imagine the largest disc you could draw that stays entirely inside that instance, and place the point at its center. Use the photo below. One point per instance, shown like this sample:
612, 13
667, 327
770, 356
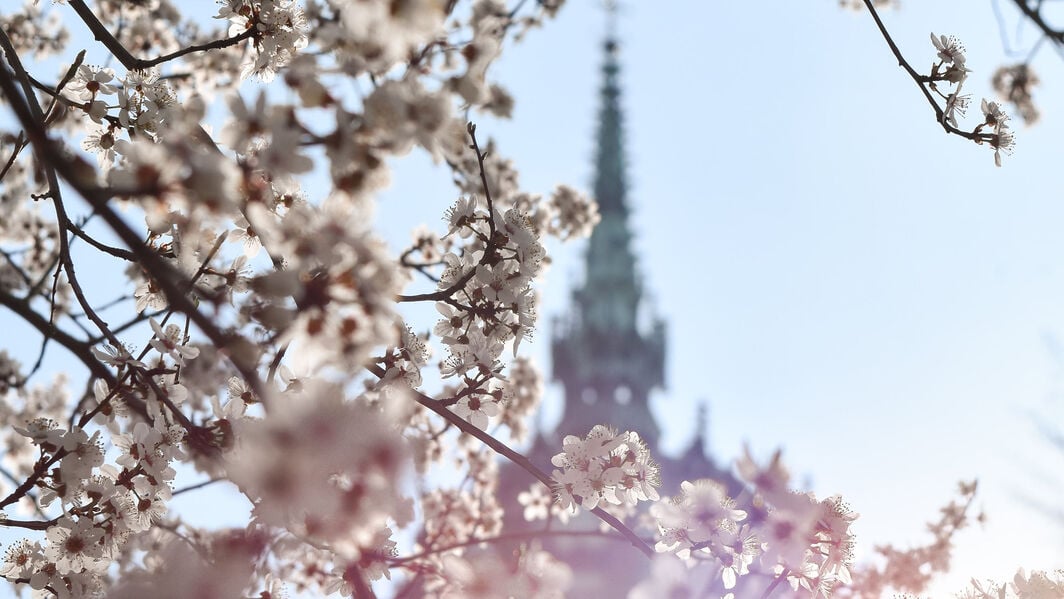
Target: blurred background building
608, 354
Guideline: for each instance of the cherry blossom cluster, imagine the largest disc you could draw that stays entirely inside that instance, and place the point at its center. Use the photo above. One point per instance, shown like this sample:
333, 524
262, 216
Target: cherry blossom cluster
322, 466
1037, 585
997, 122
911, 570
950, 68
262, 338
712, 543
102, 504
279, 28
488, 301
1014, 84
137, 105
605, 467
455, 517
538, 575
703, 519
788, 533
566, 213
248, 360
38, 31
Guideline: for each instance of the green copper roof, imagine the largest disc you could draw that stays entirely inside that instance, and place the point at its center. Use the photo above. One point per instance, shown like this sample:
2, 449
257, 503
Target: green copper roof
600, 352
611, 293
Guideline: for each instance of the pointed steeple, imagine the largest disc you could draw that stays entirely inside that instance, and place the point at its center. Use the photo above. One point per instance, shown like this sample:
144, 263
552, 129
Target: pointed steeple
611, 273
606, 360
610, 176
609, 358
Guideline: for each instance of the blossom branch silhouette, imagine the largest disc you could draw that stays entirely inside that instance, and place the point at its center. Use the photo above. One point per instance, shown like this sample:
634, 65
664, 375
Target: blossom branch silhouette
502, 449
169, 279
288, 367
994, 129
1034, 14
922, 81
133, 63
507, 537
490, 252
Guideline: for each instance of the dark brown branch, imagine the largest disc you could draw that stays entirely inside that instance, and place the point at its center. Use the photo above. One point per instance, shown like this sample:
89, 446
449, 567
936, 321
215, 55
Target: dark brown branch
131, 62
53, 191
36, 120
28, 524
214, 45
39, 470
512, 536
922, 82
440, 295
79, 348
14, 266
502, 449
1035, 16
360, 586
775, 583
199, 485
489, 251
33, 499
116, 252
173, 283
472, 129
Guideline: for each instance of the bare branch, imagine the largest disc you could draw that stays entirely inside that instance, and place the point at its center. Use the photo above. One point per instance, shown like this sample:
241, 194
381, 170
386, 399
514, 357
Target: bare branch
133, 63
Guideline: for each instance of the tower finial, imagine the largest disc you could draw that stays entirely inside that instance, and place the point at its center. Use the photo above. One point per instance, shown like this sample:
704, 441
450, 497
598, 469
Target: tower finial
612, 10
611, 20
702, 421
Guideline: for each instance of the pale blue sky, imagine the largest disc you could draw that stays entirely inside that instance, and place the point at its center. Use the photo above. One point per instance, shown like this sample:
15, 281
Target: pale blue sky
840, 278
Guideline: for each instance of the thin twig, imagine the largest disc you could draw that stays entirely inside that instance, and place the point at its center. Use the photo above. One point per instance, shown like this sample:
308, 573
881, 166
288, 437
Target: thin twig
502, 449
131, 62
172, 282
198, 485
775, 583
489, 251
28, 524
1035, 16
20, 144
121, 253
921, 82
512, 536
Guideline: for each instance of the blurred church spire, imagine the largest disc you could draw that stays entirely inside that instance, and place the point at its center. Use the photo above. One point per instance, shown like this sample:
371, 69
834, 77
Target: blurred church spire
607, 362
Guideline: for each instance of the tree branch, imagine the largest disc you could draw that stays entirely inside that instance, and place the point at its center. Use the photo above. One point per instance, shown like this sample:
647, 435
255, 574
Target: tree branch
133, 63
512, 536
502, 449
173, 283
1035, 16
491, 247
79, 348
921, 82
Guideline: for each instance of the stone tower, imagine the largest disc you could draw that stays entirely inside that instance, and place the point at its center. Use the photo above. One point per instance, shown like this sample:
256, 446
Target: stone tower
606, 361
608, 354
